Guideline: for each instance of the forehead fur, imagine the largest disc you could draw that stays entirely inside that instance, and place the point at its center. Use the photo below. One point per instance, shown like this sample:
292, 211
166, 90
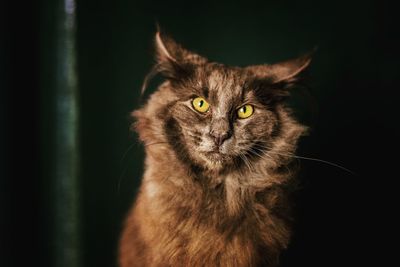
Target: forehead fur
224, 82
221, 84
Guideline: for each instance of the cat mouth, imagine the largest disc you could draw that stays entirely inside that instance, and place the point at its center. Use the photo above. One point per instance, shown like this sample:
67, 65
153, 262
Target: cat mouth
216, 155
215, 150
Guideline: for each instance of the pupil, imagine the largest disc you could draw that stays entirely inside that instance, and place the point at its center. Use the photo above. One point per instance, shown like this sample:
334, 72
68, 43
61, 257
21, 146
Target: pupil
244, 109
201, 103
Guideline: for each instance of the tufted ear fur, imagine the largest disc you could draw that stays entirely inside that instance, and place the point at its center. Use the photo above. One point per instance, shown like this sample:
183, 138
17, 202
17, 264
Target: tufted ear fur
273, 82
172, 60
284, 72
167, 51
290, 70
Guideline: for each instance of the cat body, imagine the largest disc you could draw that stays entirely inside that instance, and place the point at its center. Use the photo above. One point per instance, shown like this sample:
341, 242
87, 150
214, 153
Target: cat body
216, 184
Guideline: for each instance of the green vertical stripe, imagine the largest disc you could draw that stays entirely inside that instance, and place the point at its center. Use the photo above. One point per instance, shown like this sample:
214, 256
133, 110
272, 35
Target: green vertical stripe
67, 168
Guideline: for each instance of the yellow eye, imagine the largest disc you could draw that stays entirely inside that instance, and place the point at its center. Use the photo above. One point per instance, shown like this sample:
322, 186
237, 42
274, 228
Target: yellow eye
200, 104
245, 111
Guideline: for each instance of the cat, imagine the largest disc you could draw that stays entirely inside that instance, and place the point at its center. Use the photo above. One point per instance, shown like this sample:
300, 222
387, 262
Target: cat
219, 172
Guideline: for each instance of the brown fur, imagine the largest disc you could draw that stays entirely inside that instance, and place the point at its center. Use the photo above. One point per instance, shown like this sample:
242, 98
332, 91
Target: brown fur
216, 210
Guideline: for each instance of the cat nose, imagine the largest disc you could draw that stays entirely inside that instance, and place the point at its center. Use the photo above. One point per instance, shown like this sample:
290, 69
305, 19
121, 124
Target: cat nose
220, 137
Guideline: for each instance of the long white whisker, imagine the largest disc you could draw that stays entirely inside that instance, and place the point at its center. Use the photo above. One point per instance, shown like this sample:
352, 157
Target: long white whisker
307, 158
326, 162
243, 157
126, 152
155, 143
254, 151
266, 154
120, 180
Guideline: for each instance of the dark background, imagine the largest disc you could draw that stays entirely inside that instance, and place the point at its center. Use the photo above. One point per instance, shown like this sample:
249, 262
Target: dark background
342, 219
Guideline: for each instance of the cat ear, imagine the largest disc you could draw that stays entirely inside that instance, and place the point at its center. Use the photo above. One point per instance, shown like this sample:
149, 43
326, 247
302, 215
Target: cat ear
284, 72
279, 78
173, 60
289, 71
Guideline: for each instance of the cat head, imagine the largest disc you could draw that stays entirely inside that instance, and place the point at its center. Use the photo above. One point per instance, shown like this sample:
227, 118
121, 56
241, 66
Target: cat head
215, 116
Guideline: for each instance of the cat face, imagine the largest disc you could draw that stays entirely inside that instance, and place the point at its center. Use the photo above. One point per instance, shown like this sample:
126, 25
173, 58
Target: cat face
220, 116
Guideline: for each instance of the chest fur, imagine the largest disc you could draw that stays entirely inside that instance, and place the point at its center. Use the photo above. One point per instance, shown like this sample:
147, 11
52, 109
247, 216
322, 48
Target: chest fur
221, 227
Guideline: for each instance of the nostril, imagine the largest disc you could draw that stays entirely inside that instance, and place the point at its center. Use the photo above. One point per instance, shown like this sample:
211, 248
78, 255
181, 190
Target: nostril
220, 138
220, 130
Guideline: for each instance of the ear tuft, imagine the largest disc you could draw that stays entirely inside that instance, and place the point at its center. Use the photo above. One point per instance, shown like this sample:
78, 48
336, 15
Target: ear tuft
166, 48
287, 72
291, 69
172, 60
162, 51
272, 83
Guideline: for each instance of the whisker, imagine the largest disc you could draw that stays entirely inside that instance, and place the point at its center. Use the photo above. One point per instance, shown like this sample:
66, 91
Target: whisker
254, 151
155, 143
326, 162
120, 180
266, 154
246, 161
306, 158
126, 152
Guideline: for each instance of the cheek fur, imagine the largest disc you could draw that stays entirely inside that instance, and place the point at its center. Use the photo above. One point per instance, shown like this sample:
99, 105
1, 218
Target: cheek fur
194, 127
259, 128
262, 126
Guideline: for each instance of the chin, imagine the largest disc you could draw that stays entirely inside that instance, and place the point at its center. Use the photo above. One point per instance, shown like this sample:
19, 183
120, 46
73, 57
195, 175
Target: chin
216, 161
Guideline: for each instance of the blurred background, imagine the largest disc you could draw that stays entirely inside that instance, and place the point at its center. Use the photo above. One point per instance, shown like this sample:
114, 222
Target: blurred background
71, 72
